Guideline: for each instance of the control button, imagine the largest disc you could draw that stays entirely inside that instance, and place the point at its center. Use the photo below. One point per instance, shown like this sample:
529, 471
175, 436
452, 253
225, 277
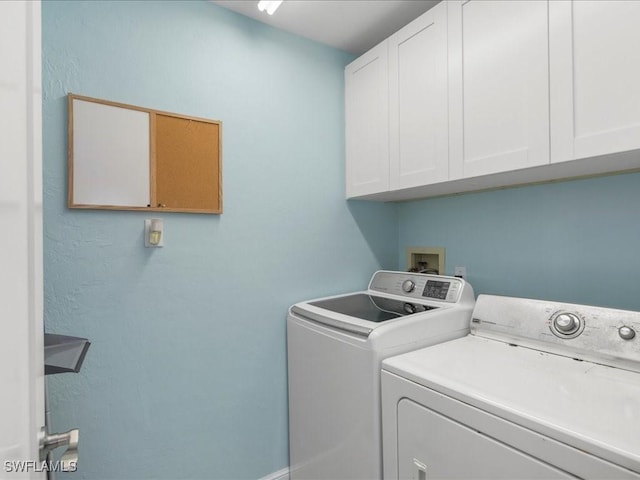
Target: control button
566, 325
626, 333
408, 286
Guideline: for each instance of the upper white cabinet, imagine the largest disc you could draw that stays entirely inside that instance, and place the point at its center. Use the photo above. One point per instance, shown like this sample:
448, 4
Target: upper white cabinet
418, 110
595, 78
367, 123
498, 86
478, 94
396, 110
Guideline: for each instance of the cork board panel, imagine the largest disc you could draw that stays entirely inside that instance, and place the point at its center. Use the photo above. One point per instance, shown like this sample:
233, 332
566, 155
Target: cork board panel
187, 164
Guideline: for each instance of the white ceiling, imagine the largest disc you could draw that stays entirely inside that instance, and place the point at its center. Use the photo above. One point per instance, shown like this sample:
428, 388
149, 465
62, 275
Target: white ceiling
351, 25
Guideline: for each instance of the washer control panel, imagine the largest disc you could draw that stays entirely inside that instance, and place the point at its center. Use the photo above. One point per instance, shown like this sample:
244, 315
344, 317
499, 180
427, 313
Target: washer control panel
602, 335
421, 286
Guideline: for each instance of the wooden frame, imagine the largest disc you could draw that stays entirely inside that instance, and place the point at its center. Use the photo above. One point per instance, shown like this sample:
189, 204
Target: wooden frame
182, 158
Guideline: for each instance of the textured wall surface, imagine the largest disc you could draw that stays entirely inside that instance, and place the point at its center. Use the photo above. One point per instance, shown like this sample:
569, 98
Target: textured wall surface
186, 375
573, 241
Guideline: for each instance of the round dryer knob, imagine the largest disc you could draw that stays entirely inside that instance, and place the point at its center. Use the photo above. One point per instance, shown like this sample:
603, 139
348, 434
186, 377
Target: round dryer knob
408, 286
626, 333
567, 323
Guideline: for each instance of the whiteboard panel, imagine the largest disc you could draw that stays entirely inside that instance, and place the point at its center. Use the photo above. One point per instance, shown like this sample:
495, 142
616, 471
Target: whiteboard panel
110, 155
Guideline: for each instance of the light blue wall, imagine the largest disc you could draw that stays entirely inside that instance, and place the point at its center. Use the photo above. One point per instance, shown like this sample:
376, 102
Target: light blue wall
574, 241
186, 375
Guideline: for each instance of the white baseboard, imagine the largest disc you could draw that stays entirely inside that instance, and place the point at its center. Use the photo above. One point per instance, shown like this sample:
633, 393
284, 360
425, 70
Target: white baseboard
279, 475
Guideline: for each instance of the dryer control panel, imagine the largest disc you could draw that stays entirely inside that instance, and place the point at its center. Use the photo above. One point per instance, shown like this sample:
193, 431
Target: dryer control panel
601, 335
438, 288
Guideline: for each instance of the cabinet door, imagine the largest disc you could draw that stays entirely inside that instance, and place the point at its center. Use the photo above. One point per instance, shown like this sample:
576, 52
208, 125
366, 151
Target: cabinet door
367, 123
419, 151
498, 86
595, 78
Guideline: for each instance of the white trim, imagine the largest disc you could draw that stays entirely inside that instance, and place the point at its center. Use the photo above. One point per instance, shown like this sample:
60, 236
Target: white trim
279, 475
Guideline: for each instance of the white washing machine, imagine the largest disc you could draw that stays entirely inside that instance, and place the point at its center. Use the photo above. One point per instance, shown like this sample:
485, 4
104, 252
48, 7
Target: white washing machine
536, 390
335, 346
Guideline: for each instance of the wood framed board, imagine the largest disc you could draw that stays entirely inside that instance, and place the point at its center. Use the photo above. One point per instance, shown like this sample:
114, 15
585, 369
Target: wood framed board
124, 157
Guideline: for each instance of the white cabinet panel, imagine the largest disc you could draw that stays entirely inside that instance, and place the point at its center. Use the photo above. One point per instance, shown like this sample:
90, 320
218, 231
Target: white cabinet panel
418, 101
367, 123
498, 86
595, 78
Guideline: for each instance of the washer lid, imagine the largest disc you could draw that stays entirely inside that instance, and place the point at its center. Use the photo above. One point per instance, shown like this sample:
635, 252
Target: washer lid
370, 307
359, 312
591, 407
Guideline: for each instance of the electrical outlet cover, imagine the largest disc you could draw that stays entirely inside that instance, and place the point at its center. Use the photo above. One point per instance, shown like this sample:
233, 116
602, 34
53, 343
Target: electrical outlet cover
460, 272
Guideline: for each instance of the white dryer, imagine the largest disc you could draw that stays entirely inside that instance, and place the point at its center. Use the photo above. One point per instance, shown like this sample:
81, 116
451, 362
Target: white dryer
536, 390
335, 346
